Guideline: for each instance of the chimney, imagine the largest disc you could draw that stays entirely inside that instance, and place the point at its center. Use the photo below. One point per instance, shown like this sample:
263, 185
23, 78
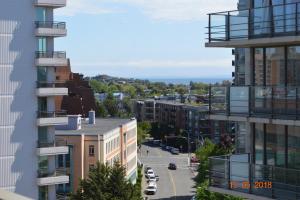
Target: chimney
92, 117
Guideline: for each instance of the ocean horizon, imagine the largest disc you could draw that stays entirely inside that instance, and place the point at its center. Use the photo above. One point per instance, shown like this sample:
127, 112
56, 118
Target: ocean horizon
187, 81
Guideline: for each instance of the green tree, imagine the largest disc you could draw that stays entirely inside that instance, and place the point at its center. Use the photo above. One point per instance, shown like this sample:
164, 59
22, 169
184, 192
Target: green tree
111, 105
106, 183
127, 105
95, 187
98, 86
100, 109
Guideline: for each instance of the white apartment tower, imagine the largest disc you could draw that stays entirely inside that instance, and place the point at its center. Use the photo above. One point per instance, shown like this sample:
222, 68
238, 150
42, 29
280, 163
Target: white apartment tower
27, 90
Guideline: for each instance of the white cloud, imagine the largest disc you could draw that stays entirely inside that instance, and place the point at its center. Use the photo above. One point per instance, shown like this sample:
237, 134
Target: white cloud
170, 10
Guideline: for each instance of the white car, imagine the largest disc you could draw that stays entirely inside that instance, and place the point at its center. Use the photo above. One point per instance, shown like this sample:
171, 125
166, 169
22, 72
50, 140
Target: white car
150, 189
149, 173
151, 183
152, 178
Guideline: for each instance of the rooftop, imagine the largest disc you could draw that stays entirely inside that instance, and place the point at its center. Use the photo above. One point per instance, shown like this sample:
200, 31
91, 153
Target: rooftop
101, 127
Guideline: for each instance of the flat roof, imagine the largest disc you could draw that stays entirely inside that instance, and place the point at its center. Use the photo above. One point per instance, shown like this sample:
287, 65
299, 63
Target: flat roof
101, 127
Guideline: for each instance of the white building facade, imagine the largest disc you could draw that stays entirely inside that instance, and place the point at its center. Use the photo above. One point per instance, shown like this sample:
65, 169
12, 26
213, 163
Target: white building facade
27, 90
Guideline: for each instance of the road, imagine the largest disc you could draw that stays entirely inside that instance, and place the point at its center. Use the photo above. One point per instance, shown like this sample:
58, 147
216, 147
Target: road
173, 184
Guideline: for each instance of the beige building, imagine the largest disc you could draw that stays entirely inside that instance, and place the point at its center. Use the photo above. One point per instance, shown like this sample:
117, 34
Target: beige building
104, 140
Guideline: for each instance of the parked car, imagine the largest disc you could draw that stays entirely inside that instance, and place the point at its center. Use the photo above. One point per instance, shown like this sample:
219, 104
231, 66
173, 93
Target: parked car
168, 147
153, 178
149, 173
146, 169
175, 151
156, 142
172, 166
151, 189
152, 183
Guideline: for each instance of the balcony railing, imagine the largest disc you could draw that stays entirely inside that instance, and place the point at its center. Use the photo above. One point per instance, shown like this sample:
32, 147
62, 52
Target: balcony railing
256, 101
51, 54
50, 24
262, 22
238, 173
51, 114
42, 173
56, 84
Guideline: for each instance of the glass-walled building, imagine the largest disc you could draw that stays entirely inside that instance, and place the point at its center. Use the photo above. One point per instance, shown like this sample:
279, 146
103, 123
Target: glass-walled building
264, 100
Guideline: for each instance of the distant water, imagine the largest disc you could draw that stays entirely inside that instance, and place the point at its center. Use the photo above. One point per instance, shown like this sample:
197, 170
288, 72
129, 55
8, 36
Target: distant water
187, 81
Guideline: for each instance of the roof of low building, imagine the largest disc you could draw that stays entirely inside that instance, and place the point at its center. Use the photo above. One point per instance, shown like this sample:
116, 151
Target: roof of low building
102, 126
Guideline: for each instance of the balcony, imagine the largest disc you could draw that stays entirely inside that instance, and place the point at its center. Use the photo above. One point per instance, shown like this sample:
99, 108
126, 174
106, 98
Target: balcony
57, 88
47, 118
263, 26
236, 174
51, 59
59, 176
50, 29
268, 102
51, 149
51, 3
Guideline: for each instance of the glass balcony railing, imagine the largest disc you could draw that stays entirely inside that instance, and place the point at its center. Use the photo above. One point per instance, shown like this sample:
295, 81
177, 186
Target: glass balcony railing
50, 24
258, 101
42, 173
51, 54
236, 172
51, 114
56, 84
268, 21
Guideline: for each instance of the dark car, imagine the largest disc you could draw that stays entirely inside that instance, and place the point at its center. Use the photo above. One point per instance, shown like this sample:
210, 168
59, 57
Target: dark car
172, 166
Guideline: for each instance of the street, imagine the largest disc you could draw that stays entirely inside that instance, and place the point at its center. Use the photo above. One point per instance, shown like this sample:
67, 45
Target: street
173, 184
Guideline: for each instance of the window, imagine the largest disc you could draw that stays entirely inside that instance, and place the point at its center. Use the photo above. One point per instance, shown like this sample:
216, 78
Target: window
41, 14
91, 150
43, 192
294, 147
259, 143
293, 66
275, 66
275, 145
42, 44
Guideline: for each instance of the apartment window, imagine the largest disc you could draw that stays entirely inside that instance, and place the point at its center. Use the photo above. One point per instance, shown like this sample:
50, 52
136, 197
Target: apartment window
42, 44
91, 150
259, 66
293, 66
43, 192
275, 145
294, 147
259, 143
40, 14
275, 66
42, 73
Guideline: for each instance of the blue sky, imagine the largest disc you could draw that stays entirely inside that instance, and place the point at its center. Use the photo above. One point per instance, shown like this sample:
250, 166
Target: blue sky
143, 38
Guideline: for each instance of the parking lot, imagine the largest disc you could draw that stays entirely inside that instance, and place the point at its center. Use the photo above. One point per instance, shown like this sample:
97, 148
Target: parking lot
173, 184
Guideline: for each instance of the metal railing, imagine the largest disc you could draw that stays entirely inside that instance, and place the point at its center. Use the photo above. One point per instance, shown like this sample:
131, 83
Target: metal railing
50, 24
238, 173
258, 101
55, 84
268, 21
50, 54
51, 114
42, 173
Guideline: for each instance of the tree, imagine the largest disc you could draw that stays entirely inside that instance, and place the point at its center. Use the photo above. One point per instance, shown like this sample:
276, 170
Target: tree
106, 183
127, 105
95, 186
100, 109
111, 105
